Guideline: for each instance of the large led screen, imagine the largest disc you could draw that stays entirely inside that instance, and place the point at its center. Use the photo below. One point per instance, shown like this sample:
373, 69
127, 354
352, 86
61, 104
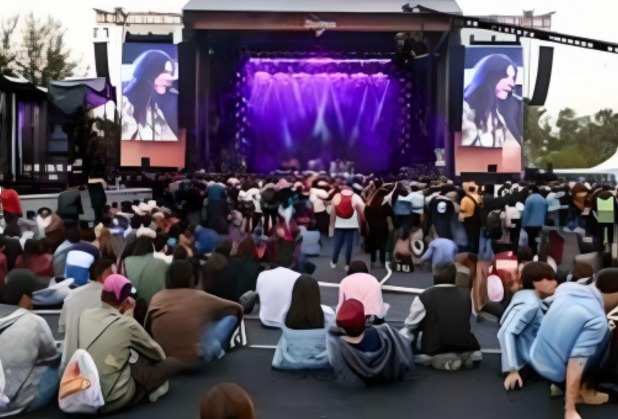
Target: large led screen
492, 114
150, 105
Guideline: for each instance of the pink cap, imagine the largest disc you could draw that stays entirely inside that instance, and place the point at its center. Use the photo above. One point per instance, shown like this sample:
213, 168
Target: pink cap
116, 283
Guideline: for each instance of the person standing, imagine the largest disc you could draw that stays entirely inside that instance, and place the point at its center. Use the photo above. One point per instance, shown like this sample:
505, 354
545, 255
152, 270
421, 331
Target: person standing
470, 215
9, 202
345, 221
533, 217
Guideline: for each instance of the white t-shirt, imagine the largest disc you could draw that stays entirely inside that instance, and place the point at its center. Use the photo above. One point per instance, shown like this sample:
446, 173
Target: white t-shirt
275, 290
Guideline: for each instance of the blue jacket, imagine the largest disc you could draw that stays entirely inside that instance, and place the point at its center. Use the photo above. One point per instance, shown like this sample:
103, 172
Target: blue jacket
519, 326
535, 210
574, 327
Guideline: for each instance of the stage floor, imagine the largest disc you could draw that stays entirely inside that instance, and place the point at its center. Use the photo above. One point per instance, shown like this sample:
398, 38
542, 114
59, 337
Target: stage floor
426, 393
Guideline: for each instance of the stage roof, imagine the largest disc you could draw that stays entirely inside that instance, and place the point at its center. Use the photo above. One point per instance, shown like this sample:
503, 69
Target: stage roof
319, 6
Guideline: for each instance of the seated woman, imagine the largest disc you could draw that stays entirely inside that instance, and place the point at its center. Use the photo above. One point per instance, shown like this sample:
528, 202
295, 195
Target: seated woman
244, 269
36, 259
363, 356
188, 323
364, 288
19, 286
303, 342
215, 270
29, 359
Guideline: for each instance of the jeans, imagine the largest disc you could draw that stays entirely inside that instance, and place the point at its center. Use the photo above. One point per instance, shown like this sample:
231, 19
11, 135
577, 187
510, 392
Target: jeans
533, 233
48, 389
216, 338
343, 236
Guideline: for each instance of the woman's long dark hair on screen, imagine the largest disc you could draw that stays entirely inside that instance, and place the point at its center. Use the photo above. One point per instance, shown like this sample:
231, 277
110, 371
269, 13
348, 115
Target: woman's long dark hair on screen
139, 91
481, 94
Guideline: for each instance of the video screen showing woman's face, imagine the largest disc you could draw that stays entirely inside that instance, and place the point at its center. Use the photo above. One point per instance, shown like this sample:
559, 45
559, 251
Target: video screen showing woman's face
492, 114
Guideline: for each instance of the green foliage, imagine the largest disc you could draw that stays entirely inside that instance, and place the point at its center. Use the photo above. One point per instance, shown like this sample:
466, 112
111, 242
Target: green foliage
7, 53
577, 142
42, 55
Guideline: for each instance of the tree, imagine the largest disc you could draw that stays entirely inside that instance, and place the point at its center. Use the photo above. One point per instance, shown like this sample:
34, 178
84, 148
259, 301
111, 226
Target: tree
8, 55
43, 54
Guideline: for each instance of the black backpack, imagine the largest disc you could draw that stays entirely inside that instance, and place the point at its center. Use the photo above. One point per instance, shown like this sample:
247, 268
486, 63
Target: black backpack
493, 225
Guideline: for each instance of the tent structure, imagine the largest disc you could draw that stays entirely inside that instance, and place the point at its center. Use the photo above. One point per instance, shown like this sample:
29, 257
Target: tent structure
609, 165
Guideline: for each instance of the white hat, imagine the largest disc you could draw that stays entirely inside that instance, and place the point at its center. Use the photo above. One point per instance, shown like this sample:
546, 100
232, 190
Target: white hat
418, 248
145, 231
441, 207
153, 204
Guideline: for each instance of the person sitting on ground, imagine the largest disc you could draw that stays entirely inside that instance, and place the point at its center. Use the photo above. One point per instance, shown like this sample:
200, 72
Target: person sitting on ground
51, 227
521, 321
573, 342
188, 323
244, 269
363, 356
214, 269
364, 288
36, 259
79, 300
73, 242
227, 401
160, 249
274, 288
131, 365
19, 285
29, 359
440, 251
303, 342
146, 273
439, 324
206, 239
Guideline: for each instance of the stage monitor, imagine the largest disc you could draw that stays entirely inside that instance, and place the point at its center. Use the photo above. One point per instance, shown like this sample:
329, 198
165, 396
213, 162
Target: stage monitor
150, 106
492, 115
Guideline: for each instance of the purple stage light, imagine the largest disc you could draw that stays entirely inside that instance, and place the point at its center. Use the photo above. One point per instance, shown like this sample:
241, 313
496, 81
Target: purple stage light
322, 108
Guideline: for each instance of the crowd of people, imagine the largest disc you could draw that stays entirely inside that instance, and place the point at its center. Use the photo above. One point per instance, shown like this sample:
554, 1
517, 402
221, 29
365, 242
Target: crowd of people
154, 288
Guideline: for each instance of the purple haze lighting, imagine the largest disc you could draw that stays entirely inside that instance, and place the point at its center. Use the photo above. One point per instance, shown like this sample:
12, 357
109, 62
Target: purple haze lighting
321, 108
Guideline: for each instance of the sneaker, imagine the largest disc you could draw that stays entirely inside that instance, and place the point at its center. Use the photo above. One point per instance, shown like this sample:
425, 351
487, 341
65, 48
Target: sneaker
471, 359
333, 265
346, 268
446, 362
247, 300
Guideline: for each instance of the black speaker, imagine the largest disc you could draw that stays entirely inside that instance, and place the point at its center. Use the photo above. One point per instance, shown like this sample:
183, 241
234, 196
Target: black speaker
100, 59
145, 162
532, 174
492, 168
543, 76
457, 59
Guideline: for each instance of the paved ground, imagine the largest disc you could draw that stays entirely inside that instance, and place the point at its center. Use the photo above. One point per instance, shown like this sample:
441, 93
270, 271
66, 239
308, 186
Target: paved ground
425, 394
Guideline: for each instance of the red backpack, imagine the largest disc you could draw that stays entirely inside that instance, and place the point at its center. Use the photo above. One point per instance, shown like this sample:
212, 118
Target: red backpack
345, 209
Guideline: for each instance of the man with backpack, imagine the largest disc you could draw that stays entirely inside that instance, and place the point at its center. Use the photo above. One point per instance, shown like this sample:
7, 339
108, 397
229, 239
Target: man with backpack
346, 220
470, 215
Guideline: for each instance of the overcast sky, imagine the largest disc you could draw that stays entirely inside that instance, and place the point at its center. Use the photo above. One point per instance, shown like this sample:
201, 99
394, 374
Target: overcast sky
584, 80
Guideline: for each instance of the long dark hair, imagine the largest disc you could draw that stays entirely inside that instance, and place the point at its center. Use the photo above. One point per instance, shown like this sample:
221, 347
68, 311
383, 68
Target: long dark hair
305, 311
139, 91
481, 92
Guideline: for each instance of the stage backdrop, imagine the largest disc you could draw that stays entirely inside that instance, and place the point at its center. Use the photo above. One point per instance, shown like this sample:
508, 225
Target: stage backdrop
492, 115
150, 106
321, 110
